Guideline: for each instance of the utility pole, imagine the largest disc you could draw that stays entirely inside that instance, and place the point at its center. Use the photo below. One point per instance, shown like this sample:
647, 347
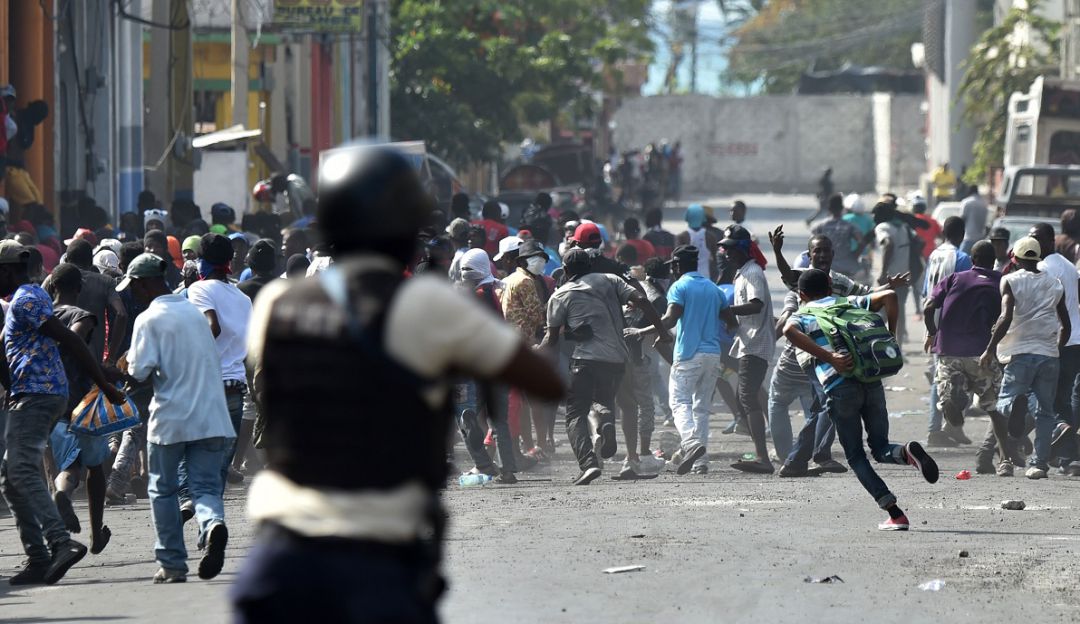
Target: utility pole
180, 184
693, 47
1070, 41
156, 122
239, 92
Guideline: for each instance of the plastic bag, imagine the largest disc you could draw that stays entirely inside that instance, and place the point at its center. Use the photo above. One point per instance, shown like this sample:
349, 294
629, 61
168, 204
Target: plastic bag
96, 415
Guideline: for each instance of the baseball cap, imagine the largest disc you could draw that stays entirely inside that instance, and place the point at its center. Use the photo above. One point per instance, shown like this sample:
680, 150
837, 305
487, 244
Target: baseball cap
734, 235
143, 266
999, 233
458, 228
577, 261
219, 229
238, 236
687, 253
531, 249
191, 243
1027, 248
507, 245
11, 252
588, 234
86, 234
222, 212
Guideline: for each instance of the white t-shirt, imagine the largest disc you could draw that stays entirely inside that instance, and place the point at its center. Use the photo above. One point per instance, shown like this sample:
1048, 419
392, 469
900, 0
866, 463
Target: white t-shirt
1035, 325
172, 344
900, 240
233, 309
1057, 265
974, 212
756, 335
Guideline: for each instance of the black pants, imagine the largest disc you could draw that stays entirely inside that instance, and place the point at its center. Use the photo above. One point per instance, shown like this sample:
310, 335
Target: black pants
752, 371
590, 382
1067, 399
289, 578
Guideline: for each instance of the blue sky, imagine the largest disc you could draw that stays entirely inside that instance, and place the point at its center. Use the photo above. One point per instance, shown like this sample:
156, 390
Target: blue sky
711, 60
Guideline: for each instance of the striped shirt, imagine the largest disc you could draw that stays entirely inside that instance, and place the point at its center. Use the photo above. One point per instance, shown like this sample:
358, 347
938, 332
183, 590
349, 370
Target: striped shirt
807, 324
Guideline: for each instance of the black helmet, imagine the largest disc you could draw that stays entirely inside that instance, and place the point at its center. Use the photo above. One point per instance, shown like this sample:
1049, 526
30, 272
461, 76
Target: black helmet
370, 198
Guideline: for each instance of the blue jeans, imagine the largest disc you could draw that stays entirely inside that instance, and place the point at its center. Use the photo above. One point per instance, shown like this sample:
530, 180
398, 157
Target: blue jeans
235, 402
853, 405
467, 404
1067, 400
783, 389
204, 479
816, 437
1037, 374
22, 476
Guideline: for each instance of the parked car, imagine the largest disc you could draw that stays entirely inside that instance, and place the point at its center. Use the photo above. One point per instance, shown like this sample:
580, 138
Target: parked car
1020, 226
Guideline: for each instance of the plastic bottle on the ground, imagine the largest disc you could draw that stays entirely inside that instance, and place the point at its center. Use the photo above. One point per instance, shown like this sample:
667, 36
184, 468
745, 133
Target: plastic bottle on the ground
473, 480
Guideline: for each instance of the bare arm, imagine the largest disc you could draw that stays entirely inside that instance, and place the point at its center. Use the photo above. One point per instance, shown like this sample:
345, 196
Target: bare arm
76, 346
1000, 328
750, 307
1066, 324
887, 254
551, 338
212, 318
841, 362
671, 317
776, 238
886, 300
533, 374
117, 326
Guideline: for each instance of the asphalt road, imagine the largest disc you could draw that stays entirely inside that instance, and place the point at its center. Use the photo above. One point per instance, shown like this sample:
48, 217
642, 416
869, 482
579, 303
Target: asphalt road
725, 547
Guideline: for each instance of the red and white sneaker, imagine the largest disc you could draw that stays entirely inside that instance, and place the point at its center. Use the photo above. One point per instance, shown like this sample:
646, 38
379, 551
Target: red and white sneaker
894, 524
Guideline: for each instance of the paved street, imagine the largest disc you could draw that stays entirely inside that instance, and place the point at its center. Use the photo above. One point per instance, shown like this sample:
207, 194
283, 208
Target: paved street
726, 547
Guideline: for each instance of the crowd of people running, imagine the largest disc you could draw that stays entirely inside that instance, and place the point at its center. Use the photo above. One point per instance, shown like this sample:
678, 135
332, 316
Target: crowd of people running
195, 324
651, 325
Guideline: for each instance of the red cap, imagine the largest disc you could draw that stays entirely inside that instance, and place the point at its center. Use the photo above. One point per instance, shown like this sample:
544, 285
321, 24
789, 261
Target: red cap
587, 234
86, 234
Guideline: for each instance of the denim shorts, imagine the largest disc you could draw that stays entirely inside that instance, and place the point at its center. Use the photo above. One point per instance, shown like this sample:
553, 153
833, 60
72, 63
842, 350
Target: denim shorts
67, 447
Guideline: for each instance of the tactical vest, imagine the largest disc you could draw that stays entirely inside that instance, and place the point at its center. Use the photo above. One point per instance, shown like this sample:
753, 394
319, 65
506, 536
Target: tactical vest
340, 412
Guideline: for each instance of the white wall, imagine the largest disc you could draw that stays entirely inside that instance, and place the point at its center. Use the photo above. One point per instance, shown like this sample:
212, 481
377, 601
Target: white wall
780, 143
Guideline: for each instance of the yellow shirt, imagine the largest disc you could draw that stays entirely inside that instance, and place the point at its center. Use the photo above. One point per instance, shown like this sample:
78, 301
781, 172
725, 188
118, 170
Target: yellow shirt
944, 182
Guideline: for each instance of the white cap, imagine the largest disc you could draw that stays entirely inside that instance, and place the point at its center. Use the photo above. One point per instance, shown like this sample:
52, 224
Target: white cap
854, 203
507, 245
505, 210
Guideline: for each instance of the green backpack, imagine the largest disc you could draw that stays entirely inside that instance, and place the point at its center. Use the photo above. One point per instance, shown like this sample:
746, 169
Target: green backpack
861, 333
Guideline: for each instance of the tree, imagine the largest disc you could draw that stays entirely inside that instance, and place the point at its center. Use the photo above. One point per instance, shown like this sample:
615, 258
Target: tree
1007, 59
467, 74
780, 40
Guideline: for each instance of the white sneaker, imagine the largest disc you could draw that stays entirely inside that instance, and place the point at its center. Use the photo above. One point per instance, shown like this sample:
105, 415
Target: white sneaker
650, 465
1035, 473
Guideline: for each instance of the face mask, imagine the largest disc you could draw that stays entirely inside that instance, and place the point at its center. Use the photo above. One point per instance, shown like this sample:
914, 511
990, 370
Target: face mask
536, 265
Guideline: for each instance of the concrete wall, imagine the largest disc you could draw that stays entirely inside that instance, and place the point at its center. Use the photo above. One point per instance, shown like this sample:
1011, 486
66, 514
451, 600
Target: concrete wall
781, 143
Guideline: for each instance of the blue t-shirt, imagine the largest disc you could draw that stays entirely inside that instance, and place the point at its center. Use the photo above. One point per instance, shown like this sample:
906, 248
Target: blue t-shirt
807, 324
33, 358
698, 329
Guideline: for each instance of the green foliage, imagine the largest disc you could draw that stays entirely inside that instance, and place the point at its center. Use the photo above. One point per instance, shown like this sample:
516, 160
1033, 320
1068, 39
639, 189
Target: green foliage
779, 40
467, 74
1003, 62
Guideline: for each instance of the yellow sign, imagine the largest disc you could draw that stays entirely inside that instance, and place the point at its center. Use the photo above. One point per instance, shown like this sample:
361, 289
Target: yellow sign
340, 16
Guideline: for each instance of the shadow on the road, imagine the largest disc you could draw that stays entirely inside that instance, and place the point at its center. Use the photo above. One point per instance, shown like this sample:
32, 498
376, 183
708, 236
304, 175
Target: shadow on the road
974, 532
83, 619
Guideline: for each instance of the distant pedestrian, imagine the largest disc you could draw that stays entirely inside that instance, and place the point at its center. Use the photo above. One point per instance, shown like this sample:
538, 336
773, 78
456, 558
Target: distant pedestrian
976, 214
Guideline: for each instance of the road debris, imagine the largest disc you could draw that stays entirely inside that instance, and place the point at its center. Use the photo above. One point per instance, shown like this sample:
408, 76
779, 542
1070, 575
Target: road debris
823, 579
622, 569
1013, 505
934, 585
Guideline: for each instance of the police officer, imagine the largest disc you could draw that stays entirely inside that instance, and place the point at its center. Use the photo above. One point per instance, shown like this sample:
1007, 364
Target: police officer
350, 370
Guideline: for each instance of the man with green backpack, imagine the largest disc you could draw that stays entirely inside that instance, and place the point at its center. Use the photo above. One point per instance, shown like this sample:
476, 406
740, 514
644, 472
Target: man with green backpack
847, 347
